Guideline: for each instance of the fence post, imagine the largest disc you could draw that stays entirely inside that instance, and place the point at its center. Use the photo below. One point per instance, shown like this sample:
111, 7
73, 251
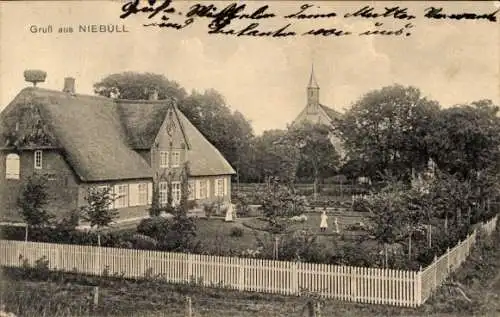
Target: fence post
241, 275
295, 279
448, 259
189, 308
144, 256
418, 290
190, 266
352, 278
57, 265
434, 263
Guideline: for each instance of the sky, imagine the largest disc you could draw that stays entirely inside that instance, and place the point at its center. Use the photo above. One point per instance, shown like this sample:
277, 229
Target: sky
264, 78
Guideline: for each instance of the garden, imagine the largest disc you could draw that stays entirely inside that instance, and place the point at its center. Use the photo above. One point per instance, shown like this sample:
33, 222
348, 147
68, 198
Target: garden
398, 227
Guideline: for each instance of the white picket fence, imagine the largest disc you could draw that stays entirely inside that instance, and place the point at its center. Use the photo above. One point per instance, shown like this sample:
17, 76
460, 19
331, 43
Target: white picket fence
436, 273
364, 285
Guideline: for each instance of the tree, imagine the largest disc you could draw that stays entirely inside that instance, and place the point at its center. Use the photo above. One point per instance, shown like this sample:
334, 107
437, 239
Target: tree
465, 139
279, 202
155, 209
179, 232
275, 156
137, 86
99, 211
317, 153
230, 132
386, 130
32, 202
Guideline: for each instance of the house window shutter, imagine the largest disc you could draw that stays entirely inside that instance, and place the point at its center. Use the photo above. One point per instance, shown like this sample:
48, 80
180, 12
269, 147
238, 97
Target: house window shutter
150, 193
197, 189
225, 187
192, 190
133, 195
208, 189
12, 166
116, 192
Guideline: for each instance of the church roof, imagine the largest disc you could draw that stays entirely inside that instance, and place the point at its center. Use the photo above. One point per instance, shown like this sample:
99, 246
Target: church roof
331, 113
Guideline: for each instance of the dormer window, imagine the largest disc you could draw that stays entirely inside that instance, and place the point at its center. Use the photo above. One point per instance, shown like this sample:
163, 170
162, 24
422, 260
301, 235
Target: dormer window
38, 159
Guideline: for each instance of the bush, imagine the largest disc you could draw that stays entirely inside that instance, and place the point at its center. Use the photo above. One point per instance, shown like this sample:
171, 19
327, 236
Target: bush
360, 205
143, 242
210, 209
155, 227
236, 232
242, 205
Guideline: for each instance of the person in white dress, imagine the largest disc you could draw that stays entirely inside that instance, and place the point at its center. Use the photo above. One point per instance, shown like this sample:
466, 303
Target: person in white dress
229, 213
324, 224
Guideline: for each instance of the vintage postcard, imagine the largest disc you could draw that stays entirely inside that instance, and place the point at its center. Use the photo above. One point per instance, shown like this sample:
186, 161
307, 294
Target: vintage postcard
249, 158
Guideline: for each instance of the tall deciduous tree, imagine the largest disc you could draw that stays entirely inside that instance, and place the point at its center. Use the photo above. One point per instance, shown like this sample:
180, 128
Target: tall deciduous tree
465, 139
137, 86
276, 156
386, 130
32, 202
318, 156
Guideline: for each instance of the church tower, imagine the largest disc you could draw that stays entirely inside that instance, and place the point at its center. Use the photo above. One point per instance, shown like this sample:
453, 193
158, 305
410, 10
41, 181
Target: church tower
312, 94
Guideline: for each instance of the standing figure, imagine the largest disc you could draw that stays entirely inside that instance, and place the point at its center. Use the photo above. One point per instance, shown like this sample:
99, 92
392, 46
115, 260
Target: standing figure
229, 213
336, 226
324, 224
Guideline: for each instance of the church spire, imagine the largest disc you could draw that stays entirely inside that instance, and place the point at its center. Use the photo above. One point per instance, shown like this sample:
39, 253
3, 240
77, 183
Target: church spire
312, 93
312, 79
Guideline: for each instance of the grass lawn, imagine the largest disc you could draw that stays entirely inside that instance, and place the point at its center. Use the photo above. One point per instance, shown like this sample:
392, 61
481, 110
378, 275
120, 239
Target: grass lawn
215, 233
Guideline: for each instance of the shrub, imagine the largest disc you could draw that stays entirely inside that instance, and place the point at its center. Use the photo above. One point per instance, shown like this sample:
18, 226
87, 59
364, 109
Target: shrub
155, 227
360, 205
143, 242
242, 205
236, 232
210, 209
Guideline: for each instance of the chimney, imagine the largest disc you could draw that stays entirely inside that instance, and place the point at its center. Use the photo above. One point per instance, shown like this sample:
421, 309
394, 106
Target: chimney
69, 85
153, 94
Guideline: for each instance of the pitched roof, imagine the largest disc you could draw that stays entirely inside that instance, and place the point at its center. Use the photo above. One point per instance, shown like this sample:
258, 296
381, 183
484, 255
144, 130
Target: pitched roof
98, 135
142, 120
209, 161
331, 113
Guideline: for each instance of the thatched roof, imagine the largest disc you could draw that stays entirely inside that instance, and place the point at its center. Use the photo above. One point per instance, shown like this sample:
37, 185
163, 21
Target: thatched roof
204, 158
99, 136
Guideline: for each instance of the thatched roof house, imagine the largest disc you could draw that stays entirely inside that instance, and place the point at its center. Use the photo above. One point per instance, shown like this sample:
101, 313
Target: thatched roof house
97, 140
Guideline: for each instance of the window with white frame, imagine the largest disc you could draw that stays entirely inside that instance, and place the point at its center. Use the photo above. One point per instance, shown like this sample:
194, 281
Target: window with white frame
191, 190
219, 187
176, 192
121, 196
203, 190
143, 194
38, 159
176, 159
163, 191
163, 159
12, 166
